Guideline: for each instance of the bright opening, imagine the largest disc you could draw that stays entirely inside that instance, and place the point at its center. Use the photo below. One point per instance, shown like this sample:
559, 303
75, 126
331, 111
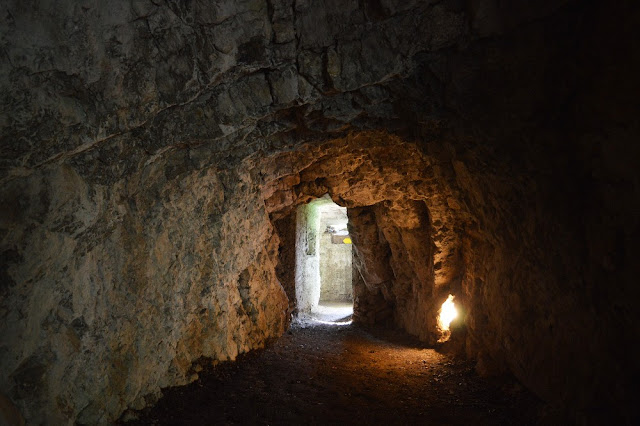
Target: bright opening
448, 313
324, 285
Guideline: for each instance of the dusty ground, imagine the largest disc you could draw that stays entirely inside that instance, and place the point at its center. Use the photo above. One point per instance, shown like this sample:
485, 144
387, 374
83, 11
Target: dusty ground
344, 375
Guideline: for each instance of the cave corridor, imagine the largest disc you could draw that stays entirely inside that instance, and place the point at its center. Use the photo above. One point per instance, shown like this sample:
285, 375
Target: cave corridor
157, 158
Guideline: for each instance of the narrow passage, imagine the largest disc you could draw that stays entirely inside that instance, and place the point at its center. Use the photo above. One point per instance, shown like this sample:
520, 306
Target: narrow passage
328, 374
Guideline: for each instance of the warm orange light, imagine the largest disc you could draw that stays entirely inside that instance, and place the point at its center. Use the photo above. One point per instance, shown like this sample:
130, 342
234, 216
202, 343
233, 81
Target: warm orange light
448, 313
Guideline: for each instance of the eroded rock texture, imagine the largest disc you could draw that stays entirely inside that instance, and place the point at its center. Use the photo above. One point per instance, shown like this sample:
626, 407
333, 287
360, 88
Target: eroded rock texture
152, 154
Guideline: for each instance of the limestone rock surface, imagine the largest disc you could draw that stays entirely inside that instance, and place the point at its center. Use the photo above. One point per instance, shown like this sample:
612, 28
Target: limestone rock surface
152, 155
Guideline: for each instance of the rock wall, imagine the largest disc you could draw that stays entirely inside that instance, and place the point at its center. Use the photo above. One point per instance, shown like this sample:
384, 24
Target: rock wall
146, 148
307, 266
336, 280
285, 268
119, 296
335, 271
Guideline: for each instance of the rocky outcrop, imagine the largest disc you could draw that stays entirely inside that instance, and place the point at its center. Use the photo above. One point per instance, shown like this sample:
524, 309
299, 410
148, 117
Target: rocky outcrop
147, 150
115, 299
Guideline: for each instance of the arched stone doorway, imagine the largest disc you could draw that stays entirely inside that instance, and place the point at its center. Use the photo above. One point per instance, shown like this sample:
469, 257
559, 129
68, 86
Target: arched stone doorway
324, 276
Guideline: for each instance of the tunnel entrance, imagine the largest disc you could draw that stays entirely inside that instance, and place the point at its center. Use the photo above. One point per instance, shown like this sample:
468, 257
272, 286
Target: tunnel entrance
324, 280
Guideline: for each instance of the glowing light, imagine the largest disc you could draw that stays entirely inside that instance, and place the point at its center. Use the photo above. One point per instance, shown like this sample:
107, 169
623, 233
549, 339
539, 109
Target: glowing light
333, 323
347, 240
448, 313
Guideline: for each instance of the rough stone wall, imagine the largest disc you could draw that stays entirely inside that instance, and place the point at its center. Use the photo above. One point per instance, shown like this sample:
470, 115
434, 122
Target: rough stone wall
336, 279
132, 132
335, 271
307, 266
285, 268
120, 295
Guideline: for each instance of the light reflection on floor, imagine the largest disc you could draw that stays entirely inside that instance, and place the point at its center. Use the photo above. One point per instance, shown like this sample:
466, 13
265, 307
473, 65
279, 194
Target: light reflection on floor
333, 313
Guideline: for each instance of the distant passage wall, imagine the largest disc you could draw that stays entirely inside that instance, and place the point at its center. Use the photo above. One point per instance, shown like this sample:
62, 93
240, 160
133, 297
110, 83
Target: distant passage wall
335, 261
483, 148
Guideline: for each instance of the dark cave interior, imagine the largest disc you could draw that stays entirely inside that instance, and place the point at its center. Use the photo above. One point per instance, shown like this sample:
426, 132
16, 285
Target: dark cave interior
155, 156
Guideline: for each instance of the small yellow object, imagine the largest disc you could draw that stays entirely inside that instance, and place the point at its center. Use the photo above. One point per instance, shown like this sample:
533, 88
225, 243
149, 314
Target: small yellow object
347, 240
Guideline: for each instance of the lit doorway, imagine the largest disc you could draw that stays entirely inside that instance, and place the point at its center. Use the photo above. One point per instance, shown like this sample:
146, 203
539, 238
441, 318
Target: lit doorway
324, 286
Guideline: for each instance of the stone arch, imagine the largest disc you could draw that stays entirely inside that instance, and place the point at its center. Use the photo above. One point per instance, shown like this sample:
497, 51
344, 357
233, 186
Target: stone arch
392, 194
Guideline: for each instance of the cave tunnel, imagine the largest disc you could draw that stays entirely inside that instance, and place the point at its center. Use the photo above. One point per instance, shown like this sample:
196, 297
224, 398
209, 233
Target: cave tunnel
158, 161
323, 268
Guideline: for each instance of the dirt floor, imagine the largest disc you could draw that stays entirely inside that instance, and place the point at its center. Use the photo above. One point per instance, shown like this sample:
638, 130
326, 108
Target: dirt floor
328, 374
